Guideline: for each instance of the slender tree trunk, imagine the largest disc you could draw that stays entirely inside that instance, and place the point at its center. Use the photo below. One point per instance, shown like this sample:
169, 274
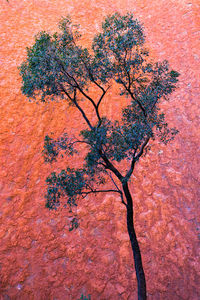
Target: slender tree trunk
141, 282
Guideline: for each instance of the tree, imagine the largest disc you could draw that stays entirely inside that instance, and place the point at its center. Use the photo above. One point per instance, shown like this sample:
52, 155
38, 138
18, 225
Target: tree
57, 66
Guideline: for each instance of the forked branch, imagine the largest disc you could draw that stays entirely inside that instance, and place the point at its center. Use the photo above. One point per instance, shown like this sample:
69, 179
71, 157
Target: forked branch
74, 101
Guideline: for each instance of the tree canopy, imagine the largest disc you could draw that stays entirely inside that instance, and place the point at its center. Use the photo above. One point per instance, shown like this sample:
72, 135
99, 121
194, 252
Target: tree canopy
58, 66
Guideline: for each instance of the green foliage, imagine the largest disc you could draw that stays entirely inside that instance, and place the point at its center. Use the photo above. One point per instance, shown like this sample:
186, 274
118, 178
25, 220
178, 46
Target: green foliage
121, 36
52, 147
85, 297
69, 182
49, 61
74, 224
57, 66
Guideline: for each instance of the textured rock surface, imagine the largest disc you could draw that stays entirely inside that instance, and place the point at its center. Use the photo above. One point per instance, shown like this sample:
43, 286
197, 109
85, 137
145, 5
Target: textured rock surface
40, 258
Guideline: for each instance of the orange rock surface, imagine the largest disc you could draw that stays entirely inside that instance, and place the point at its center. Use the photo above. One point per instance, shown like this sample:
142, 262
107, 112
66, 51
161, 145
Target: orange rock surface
39, 258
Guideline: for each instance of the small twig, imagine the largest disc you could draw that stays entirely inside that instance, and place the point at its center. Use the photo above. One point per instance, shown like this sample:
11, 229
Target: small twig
84, 194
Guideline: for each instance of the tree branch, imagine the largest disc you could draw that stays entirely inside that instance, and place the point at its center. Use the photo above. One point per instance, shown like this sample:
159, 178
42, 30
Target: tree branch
84, 194
122, 198
142, 148
110, 166
80, 89
130, 171
77, 105
76, 85
127, 72
103, 94
138, 102
134, 159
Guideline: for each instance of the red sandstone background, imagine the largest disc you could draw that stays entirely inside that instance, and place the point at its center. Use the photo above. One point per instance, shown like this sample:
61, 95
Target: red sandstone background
40, 259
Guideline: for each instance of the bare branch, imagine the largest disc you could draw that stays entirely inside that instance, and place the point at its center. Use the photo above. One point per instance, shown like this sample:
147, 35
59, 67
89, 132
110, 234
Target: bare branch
97, 84
110, 166
122, 198
103, 94
135, 158
77, 105
130, 171
142, 148
80, 142
84, 194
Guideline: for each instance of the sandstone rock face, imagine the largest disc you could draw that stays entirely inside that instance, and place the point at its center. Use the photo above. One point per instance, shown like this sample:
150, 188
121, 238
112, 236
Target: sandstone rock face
40, 259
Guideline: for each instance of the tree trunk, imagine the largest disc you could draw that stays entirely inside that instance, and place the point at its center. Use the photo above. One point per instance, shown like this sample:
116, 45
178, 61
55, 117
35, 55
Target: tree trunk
141, 282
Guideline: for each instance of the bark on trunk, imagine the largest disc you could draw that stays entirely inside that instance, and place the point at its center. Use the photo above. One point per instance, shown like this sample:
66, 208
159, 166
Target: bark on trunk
141, 282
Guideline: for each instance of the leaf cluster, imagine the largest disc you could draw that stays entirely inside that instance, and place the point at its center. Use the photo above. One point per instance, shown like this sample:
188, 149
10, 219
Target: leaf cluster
53, 147
54, 61
69, 182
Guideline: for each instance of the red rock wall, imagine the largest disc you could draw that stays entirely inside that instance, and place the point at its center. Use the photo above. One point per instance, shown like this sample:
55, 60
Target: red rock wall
40, 259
